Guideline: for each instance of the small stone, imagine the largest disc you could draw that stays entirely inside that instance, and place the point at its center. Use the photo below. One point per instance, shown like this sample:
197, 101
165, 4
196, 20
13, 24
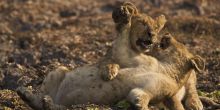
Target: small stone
68, 13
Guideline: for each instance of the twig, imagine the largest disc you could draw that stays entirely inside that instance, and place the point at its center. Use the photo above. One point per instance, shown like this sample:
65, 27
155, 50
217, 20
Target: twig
210, 102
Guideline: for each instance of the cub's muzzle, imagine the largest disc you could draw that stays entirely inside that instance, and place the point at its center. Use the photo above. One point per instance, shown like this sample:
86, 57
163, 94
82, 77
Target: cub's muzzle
144, 43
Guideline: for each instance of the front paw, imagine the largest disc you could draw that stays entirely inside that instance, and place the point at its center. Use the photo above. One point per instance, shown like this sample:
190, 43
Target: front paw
140, 103
139, 98
110, 71
193, 103
123, 13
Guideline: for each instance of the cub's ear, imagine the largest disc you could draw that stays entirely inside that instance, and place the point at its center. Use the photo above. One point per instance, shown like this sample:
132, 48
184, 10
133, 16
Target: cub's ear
123, 13
198, 63
160, 22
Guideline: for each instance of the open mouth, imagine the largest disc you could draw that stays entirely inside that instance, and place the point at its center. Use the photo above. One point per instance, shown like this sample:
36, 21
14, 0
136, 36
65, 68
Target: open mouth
144, 44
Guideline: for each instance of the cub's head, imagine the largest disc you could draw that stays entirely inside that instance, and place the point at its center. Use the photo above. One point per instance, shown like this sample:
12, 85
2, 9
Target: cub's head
142, 30
172, 51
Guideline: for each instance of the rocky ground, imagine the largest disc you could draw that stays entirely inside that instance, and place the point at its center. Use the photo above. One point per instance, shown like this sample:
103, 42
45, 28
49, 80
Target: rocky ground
36, 36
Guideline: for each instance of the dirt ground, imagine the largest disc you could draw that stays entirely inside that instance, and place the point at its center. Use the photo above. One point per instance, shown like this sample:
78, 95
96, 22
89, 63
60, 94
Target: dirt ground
36, 36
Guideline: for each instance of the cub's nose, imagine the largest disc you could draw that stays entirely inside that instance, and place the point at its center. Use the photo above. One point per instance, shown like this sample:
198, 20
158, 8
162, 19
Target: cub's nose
151, 34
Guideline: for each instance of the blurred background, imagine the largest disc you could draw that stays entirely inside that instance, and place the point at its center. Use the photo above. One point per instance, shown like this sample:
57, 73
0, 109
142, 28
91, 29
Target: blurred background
36, 36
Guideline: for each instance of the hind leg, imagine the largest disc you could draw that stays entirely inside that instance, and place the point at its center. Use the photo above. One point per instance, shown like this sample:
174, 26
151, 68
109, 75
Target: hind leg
33, 100
52, 82
192, 101
49, 87
174, 103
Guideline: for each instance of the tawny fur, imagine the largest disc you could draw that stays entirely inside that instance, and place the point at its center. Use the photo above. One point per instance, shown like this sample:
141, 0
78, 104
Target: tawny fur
191, 98
141, 85
146, 80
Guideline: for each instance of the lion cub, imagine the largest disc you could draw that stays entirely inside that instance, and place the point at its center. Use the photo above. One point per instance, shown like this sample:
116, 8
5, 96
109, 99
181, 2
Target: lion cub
171, 52
141, 30
137, 33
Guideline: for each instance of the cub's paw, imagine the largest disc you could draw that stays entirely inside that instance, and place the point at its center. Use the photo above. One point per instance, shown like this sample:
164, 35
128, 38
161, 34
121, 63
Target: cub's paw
193, 103
25, 93
110, 71
139, 98
31, 99
140, 103
48, 104
123, 13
